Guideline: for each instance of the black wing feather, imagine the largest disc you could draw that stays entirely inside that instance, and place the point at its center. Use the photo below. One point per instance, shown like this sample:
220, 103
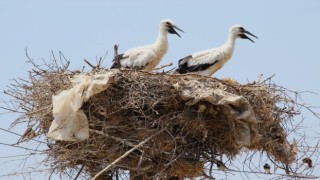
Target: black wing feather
183, 65
200, 67
184, 68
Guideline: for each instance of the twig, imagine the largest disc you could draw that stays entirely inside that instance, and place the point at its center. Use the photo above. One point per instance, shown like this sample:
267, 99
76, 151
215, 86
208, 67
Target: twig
12, 145
26, 172
127, 153
92, 66
32, 61
79, 172
112, 137
279, 174
15, 156
116, 59
21, 135
170, 71
208, 176
163, 66
140, 161
269, 78
8, 109
66, 65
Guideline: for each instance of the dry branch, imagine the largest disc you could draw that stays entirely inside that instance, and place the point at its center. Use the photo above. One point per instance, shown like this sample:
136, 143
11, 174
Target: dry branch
127, 153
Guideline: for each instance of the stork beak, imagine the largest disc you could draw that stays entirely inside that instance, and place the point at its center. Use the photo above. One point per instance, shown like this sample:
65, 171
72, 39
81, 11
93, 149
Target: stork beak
244, 36
173, 31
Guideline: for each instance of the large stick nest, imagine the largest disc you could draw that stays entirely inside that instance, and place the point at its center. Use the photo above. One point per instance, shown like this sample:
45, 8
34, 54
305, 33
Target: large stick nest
139, 104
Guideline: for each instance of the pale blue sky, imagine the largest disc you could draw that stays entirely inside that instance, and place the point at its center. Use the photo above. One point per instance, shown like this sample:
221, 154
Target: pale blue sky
288, 31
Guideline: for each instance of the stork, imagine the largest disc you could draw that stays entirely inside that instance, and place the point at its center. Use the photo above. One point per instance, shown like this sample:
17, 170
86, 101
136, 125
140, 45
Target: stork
148, 57
209, 61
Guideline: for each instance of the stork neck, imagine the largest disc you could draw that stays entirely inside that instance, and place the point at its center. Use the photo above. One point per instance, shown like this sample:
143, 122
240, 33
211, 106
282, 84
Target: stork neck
229, 45
162, 40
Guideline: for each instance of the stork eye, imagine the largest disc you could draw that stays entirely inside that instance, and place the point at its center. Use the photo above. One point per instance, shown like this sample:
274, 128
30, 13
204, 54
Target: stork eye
169, 24
241, 29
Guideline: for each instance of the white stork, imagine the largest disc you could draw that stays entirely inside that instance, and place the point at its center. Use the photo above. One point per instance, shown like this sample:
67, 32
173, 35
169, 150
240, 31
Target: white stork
209, 61
148, 57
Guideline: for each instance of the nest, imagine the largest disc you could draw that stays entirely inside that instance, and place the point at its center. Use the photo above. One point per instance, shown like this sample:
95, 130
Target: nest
138, 105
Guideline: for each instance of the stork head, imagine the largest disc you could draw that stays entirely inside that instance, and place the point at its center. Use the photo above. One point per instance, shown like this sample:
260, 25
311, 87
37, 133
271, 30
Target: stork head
238, 31
169, 26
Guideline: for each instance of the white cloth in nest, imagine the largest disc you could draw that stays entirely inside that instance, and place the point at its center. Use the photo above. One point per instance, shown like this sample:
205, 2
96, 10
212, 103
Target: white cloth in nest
70, 123
239, 110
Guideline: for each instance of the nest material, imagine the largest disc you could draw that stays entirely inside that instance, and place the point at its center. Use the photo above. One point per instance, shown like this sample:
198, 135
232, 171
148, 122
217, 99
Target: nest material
139, 104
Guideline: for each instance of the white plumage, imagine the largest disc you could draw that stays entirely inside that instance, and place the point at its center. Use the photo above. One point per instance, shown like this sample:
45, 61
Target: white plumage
149, 56
209, 61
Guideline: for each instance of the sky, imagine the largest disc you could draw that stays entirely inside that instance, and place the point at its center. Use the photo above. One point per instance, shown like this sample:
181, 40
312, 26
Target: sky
288, 31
